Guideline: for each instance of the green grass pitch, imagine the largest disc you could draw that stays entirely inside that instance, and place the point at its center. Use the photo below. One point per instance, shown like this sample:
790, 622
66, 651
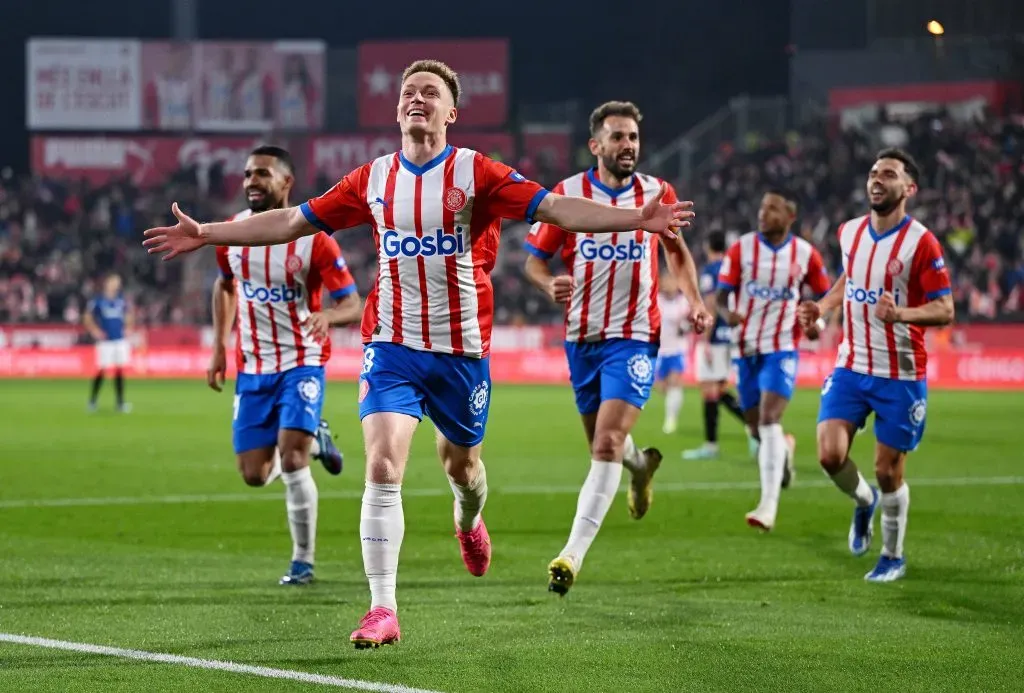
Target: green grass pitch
688, 599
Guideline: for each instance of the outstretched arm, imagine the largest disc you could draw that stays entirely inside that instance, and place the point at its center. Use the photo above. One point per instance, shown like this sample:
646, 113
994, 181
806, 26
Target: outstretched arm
267, 228
580, 215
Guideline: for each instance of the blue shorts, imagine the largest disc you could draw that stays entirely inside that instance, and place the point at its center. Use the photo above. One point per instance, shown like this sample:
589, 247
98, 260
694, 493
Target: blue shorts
899, 405
667, 365
775, 372
612, 369
265, 404
454, 391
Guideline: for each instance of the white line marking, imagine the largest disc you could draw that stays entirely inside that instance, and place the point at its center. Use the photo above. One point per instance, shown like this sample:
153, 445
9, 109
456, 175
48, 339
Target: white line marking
669, 487
217, 665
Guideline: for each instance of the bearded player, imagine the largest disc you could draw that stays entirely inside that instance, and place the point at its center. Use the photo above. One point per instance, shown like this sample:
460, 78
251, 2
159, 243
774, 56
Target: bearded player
282, 347
767, 271
612, 324
894, 285
436, 213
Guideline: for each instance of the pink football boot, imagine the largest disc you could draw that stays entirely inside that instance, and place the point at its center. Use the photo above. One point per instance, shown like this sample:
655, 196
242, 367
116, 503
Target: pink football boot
378, 627
476, 548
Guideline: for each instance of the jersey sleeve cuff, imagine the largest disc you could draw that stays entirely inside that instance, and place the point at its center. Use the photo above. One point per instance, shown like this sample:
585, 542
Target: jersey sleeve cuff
343, 292
932, 295
531, 208
313, 219
724, 285
537, 252
226, 275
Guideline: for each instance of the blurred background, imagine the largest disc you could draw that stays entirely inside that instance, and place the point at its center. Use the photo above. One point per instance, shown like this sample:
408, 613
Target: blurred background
129, 106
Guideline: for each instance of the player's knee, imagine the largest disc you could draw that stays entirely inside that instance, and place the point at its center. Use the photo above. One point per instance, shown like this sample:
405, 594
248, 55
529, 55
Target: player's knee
888, 474
253, 476
383, 469
831, 455
294, 459
608, 445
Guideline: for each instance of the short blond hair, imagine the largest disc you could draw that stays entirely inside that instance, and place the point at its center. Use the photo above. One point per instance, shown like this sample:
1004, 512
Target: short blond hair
435, 67
626, 109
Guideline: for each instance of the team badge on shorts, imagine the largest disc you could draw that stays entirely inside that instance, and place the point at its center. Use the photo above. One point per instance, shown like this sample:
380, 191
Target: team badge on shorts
364, 389
827, 385
478, 399
454, 199
789, 367
309, 390
640, 369
917, 412
293, 263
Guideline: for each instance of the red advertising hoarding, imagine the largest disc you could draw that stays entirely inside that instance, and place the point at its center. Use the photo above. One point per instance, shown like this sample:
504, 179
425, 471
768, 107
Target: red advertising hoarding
483, 70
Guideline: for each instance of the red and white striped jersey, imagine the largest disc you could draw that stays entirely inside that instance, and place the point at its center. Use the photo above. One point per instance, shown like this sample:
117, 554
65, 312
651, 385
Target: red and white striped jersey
675, 310
616, 273
768, 282
906, 262
277, 288
436, 228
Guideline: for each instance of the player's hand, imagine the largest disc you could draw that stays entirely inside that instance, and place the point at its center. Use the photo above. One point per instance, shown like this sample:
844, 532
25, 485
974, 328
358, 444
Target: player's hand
807, 313
560, 288
183, 237
666, 220
886, 309
700, 318
319, 327
217, 370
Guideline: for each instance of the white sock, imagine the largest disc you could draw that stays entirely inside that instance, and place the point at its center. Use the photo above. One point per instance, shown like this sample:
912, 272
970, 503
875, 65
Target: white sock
895, 507
596, 497
381, 528
632, 457
301, 498
771, 458
275, 468
850, 481
673, 403
470, 499
314, 448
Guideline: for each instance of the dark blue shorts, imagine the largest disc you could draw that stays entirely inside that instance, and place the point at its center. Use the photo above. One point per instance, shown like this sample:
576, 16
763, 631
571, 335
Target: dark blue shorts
899, 406
265, 404
454, 391
612, 369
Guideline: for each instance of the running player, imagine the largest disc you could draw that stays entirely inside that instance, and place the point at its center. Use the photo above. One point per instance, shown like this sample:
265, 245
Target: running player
612, 324
282, 347
713, 357
767, 271
435, 211
894, 285
671, 363
108, 318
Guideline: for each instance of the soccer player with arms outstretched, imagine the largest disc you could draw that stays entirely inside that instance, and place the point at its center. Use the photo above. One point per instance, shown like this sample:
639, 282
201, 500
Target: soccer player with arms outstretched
282, 347
436, 215
612, 324
894, 285
767, 271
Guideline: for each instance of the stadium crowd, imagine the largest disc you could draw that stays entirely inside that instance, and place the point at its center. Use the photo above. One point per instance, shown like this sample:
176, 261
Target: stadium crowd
57, 238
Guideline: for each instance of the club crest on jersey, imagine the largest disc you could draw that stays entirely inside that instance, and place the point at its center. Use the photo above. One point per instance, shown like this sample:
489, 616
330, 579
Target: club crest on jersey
293, 263
895, 267
640, 369
795, 271
917, 412
478, 399
309, 390
455, 199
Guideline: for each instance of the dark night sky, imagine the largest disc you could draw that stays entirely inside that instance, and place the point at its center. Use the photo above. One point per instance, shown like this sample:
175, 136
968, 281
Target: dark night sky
702, 53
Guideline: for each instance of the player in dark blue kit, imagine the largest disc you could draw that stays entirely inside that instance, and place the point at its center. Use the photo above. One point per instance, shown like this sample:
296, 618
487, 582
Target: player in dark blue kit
713, 356
108, 318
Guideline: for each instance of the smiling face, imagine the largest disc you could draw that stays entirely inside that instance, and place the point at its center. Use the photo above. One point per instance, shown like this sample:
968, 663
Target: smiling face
267, 183
775, 214
426, 105
889, 185
617, 145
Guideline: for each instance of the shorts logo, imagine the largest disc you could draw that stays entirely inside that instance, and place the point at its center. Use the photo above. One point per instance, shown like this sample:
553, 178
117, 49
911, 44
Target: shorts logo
293, 263
454, 199
640, 369
788, 367
364, 389
368, 360
309, 390
827, 385
894, 267
917, 412
478, 399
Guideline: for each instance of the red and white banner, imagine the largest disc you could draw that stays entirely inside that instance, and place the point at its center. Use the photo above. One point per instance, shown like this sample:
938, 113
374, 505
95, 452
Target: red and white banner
336, 155
83, 84
483, 70
147, 161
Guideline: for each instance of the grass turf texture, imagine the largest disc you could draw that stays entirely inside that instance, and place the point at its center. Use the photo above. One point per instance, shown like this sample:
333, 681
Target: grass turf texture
687, 599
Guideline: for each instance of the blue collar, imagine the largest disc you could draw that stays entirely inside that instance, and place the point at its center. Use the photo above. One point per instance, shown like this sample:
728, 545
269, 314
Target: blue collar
879, 236
420, 170
610, 192
775, 248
